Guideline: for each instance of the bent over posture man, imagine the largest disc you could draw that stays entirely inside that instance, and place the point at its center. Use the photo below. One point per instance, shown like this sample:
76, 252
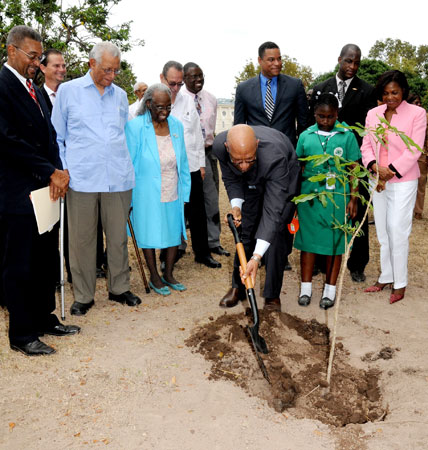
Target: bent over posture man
260, 172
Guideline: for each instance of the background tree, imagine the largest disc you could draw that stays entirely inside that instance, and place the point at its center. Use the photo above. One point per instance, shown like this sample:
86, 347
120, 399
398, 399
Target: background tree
290, 66
71, 29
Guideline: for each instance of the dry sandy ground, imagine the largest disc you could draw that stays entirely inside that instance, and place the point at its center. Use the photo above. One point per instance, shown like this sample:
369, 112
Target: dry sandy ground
128, 381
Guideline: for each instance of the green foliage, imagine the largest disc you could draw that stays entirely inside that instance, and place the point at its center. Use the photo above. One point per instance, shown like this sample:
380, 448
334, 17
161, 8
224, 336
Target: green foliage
290, 66
402, 55
71, 29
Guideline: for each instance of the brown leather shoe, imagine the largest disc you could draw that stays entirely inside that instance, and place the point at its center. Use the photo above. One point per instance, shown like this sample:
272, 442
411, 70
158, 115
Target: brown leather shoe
272, 304
231, 299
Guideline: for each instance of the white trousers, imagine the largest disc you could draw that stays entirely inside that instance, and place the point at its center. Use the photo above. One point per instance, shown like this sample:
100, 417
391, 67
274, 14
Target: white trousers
393, 214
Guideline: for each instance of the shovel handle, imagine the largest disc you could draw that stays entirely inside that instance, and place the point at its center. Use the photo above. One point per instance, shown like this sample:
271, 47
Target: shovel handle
240, 250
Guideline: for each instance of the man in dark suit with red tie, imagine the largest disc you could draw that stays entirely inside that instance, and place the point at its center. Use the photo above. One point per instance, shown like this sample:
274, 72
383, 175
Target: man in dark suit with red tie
29, 160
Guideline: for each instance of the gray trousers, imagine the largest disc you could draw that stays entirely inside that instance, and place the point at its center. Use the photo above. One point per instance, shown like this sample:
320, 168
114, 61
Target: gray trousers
211, 188
82, 208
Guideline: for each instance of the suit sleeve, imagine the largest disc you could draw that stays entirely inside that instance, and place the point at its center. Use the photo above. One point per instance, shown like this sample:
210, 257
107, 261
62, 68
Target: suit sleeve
18, 152
302, 109
232, 182
276, 193
240, 115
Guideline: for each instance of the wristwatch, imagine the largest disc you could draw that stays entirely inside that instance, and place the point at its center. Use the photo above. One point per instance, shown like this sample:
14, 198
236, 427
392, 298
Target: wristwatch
259, 260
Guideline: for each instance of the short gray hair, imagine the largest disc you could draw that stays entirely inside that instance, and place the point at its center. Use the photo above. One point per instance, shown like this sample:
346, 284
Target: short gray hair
148, 96
99, 49
19, 33
176, 65
138, 84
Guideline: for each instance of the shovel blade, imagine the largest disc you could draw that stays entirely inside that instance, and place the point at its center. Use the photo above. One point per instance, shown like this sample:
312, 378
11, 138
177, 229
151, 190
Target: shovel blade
258, 341
256, 352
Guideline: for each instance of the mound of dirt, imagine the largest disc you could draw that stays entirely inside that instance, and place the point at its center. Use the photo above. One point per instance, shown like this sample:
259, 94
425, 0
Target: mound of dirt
296, 364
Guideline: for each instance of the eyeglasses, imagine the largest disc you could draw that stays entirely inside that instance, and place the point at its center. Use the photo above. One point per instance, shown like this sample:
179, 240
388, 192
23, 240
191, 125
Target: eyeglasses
173, 83
240, 162
160, 108
30, 57
110, 71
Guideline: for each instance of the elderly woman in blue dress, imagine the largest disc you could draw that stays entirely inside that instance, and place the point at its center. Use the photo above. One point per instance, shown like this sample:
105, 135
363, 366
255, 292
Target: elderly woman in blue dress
156, 144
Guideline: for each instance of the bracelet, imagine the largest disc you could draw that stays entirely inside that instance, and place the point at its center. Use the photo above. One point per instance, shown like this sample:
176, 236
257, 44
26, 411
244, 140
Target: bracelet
259, 260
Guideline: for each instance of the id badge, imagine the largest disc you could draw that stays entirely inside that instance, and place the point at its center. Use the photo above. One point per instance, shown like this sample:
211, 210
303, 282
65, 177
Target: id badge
330, 181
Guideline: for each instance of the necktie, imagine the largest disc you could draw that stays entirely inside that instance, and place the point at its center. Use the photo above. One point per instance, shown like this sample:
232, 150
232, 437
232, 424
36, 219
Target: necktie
32, 91
342, 90
269, 103
199, 109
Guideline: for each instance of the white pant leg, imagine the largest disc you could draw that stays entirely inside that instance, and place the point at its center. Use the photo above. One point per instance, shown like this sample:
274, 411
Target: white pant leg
393, 220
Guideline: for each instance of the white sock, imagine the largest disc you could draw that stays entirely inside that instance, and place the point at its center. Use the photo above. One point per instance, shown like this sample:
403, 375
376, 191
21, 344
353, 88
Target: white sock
329, 291
306, 289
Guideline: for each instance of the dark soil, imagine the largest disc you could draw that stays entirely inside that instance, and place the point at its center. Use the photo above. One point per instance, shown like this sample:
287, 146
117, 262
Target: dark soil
296, 364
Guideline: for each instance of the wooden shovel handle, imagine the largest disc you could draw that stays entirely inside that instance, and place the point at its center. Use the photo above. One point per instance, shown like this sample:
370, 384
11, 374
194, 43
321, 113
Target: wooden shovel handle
243, 262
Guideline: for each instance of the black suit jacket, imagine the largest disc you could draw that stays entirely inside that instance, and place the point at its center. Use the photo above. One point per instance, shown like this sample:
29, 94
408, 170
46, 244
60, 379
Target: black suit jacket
29, 152
47, 100
359, 98
274, 176
290, 105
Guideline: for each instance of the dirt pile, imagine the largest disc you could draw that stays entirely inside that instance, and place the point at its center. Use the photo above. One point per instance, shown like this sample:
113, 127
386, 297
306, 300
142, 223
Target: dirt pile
296, 363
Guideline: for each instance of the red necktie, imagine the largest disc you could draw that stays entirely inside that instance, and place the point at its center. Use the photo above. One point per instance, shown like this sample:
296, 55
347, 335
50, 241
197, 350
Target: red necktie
32, 91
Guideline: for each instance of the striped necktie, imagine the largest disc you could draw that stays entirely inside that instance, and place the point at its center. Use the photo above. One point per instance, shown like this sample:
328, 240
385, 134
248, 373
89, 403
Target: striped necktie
269, 103
32, 91
342, 91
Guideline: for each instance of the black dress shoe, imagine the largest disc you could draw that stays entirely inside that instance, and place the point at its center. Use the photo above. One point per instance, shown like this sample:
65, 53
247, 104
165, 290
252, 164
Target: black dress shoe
80, 309
219, 251
34, 348
304, 300
326, 303
358, 276
126, 297
209, 261
232, 298
287, 265
100, 273
61, 330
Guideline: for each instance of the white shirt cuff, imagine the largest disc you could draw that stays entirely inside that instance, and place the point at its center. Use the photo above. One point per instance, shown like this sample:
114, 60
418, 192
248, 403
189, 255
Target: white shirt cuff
261, 247
237, 202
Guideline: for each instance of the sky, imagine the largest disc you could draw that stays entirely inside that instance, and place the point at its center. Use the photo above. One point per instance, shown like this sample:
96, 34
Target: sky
222, 36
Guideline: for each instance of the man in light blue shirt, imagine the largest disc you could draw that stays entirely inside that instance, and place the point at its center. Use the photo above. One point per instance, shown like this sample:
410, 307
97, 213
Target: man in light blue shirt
89, 116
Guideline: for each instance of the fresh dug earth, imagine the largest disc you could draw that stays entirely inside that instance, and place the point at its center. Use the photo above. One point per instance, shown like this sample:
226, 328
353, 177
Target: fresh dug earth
296, 364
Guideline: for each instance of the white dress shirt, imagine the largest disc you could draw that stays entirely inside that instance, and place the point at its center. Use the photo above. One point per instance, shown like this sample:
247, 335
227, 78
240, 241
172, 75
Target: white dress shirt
208, 115
51, 93
184, 110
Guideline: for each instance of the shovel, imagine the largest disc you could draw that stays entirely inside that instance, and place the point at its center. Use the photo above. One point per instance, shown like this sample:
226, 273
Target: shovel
259, 343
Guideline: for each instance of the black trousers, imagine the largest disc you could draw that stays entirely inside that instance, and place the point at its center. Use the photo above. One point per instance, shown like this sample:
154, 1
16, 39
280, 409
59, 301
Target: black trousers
197, 217
276, 255
27, 276
360, 253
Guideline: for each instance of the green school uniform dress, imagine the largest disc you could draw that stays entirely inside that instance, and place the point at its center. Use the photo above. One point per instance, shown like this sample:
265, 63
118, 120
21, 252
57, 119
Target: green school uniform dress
316, 233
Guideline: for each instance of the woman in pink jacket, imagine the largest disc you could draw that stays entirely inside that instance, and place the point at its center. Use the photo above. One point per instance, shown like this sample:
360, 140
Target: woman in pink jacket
395, 195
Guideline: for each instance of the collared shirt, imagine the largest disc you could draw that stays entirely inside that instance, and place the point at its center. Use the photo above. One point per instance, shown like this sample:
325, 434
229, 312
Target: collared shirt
91, 136
51, 93
184, 110
133, 109
273, 87
208, 114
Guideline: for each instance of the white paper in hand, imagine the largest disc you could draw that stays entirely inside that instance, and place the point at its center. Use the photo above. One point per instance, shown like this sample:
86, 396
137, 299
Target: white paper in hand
46, 211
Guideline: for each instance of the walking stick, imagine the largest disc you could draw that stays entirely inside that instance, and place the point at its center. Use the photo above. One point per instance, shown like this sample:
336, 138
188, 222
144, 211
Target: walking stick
137, 252
61, 256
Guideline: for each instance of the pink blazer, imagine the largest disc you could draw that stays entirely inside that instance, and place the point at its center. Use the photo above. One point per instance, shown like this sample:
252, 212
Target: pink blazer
410, 119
